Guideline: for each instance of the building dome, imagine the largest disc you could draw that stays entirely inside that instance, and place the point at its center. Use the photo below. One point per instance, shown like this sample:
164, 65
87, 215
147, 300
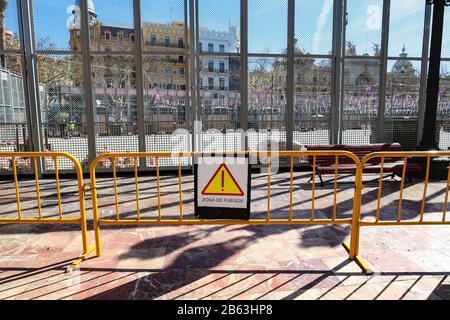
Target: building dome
91, 7
402, 66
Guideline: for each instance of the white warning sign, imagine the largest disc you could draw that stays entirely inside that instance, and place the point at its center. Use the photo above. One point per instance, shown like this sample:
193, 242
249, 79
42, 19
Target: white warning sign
222, 182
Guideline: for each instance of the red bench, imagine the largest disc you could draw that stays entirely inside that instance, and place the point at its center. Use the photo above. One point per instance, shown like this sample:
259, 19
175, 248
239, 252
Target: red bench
393, 165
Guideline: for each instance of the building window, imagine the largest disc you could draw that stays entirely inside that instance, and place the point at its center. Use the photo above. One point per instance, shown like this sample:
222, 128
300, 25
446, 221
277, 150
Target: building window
132, 37
222, 48
222, 84
210, 66
167, 71
180, 59
180, 43
167, 41
210, 47
200, 83
181, 71
200, 47
211, 83
153, 40
120, 36
222, 67
107, 35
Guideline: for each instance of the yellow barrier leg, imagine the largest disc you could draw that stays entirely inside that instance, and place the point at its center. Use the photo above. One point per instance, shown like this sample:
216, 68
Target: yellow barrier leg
76, 263
358, 259
98, 244
353, 248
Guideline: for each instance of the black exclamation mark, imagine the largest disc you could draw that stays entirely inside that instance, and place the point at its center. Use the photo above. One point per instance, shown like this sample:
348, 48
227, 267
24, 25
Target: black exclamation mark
223, 176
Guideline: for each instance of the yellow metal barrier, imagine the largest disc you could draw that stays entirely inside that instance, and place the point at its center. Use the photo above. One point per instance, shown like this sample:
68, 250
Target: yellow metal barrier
114, 157
404, 158
356, 221
29, 161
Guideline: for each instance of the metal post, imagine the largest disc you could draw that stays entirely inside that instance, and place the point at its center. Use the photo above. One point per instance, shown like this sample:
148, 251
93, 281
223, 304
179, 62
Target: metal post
198, 116
336, 74
428, 141
88, 86
24, 57
244, 66
139, 80
29, 70
423, 71
187, 73
290, 90
193, 82
383, 71
341, 72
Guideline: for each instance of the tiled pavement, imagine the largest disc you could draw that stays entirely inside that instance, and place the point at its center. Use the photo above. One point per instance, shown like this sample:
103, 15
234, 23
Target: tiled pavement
227, 262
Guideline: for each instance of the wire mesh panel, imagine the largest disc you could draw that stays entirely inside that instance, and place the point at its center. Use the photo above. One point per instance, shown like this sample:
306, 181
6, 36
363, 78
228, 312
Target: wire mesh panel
443, 112
219, 75
443, 116
165, 106
110, 31
220, 101
312, 76
313, 26
13, 121
363, 28
165, 89
360, 107
446, 35
267, 98
12, 109
260, 13
402, 102
219, 21
406, 22
14, 138
63, 33
163, 28
60, 80
114, 80
62, 106
312, 101
9, 37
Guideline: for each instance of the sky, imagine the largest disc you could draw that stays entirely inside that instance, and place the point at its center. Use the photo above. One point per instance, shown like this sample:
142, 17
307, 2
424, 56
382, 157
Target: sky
267, 22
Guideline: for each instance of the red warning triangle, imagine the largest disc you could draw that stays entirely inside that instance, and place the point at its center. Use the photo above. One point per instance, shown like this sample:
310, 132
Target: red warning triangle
222, 183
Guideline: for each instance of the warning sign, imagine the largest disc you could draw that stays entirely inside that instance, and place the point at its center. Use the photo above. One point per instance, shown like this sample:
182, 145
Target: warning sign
222, 187
222, 183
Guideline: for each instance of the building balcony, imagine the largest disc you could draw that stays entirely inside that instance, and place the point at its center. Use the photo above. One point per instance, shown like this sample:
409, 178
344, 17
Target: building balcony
214, 88
162, 45
216, 71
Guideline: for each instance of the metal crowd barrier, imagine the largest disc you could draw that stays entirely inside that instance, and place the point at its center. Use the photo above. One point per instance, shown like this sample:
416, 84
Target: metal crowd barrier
399, 220
160, 220
29, 161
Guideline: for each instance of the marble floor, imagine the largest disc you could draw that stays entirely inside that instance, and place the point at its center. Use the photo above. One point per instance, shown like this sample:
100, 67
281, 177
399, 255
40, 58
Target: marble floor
227, 262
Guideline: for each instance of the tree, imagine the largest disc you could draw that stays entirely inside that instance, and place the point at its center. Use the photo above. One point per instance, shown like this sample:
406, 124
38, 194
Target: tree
115, 72
350, 48
376, 49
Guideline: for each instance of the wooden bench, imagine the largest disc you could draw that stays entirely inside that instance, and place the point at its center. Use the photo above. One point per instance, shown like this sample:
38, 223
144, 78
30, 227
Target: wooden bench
393, 165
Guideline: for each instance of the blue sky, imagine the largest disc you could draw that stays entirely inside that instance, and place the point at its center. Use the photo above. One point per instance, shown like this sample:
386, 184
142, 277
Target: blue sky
267, 21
